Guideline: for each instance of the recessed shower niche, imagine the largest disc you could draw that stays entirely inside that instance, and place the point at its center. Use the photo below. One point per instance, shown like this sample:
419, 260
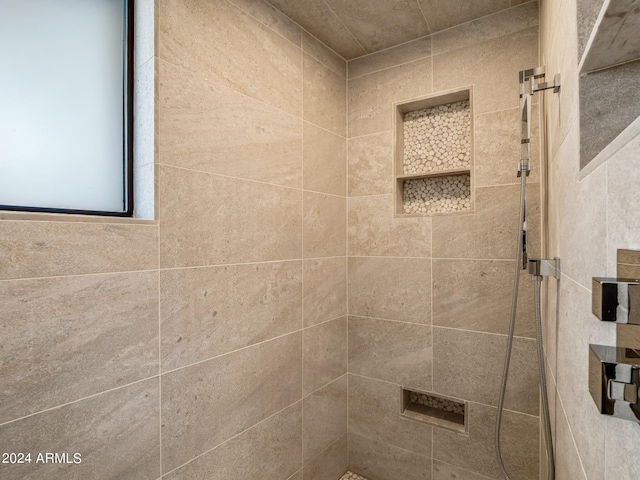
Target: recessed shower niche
434, 154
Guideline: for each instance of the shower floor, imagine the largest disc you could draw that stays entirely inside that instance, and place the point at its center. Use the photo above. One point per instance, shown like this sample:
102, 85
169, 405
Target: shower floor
352, 476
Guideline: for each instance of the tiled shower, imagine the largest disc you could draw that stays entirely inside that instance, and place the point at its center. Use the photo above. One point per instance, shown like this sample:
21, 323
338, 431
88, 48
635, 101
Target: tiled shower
266, 323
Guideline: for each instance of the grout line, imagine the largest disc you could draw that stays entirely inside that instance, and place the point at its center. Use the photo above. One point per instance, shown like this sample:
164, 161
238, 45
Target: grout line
232, 438
345, 27
402, 64
66, 404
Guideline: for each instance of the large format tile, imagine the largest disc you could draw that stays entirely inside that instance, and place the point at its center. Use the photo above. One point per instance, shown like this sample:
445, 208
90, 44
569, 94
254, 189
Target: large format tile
315, 15
374, 413
207, 219
491, 232
491, 67
324, 354
270, 450
468, 365
42, 249
476, 452
67, 338
373, 459
209, 311
205, 404
379, 24
443, 14
375, 231
272, 18
330, 464
115, 433
371, 96
577, 328
568, 463
325, 289
324, 96
325, 418
208, 127
218, 41
324, 161
391, 288
318, 50
393, 351
370, 164
324, 225
484, 28
476, 295
391, 57
622, 439
497, 148
444, 471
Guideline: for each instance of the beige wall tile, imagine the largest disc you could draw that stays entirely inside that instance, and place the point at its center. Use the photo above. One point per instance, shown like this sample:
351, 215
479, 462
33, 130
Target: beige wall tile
324, 354
568, 463
270, 450
322, 53
577, 328
324, 96
373, 459
476, 295
392, 351
371, 97
324, 161
382, 24
374, 413
371, 164
468, 365
206, 312
316, 15
297, 476
623, 171
444, 471
397, 55
491, 231
374, 230
71, 337
476, 452
447, 13
491, 67
218, 41
324, 225
205, 126
622, 438
391, 288
501, 23
272, 18
43, 249
325, 289
325, 418
207, 219
121, 424
205, 404
497, 148
330, 464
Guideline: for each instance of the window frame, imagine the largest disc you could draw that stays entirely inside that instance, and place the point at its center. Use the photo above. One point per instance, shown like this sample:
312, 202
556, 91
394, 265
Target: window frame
127, 132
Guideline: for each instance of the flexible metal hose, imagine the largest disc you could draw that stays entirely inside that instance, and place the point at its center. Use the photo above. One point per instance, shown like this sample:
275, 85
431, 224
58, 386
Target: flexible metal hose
507, 360
512, 324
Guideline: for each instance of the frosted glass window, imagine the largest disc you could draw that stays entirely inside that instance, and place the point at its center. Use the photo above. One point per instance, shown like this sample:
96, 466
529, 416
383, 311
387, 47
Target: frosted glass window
64, 113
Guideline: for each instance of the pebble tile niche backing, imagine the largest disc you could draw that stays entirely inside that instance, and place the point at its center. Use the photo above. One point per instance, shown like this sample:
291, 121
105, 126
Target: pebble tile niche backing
437, 139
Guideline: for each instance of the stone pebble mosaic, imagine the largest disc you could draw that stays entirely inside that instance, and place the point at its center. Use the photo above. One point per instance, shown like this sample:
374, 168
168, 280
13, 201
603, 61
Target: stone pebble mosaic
437, 402
352, 476
437, 138
437, 194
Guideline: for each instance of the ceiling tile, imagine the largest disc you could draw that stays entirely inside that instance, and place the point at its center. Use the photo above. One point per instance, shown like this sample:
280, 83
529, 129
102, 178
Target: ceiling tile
443, 14
379, 24
317, 18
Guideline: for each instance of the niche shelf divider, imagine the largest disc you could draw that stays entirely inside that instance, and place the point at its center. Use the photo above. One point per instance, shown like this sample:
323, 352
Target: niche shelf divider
433, 154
